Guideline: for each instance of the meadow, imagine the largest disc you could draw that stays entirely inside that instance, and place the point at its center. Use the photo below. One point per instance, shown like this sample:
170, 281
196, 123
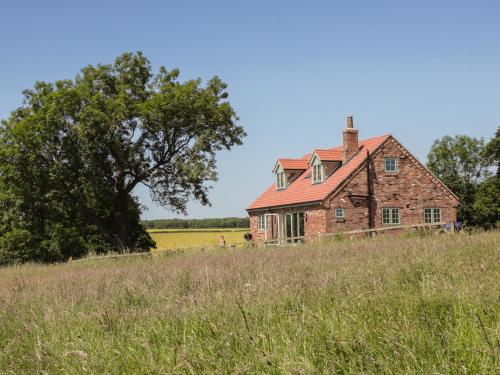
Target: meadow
389, 305
167, 239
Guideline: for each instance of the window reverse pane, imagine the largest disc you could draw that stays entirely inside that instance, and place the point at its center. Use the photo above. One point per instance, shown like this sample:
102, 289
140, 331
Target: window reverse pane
280, 180
261, 222
386, 219
395, 216
428, 215
437, 215
318, 173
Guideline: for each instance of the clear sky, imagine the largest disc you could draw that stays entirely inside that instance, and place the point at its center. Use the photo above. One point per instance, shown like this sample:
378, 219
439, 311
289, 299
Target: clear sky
416, 69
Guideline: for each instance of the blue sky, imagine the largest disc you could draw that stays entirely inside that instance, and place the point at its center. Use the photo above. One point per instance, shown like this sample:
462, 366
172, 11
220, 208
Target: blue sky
416, 69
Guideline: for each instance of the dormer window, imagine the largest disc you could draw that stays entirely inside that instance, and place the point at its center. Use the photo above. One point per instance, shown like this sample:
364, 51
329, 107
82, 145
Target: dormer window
318, 172
287, 171
280, 180
324, 163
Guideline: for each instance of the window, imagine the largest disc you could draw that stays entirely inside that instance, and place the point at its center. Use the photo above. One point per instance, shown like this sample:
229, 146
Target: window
318, 173
339, 213
294, 227
261, 222
432, 215
390, 165
390, 216
280, 180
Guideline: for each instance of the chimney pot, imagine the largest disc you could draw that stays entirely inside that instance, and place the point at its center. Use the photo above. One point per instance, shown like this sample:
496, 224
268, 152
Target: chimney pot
349, 122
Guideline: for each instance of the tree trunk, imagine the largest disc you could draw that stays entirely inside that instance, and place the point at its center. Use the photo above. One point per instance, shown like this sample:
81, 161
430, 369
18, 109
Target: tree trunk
124, 223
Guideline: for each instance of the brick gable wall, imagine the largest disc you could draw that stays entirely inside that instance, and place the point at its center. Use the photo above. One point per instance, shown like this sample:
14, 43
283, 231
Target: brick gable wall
411, 189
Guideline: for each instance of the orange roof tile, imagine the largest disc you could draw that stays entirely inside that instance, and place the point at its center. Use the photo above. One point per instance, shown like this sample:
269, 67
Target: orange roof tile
294, 163
332, 154
302, 190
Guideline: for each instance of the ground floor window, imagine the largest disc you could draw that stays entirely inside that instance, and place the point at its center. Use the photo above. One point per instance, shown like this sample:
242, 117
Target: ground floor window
339, 213
390, 216
432, 215
261, 222
294, 226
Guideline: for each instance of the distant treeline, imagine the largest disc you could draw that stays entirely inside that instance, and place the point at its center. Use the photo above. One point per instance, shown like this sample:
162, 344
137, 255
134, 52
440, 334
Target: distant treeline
226, 222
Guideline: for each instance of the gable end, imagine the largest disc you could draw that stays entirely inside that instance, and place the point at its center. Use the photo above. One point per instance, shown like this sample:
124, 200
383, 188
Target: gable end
424, 169
447, 191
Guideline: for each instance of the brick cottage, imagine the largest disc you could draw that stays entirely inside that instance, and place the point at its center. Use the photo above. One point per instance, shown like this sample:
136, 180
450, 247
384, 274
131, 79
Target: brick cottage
360, 187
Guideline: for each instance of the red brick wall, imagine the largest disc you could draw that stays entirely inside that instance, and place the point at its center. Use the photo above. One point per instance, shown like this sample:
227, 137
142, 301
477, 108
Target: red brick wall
411, 189
350, 142
314, 221
355, 208
256, 234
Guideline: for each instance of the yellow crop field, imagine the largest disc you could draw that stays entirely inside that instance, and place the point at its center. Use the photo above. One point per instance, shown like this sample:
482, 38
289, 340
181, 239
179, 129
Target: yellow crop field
191, 238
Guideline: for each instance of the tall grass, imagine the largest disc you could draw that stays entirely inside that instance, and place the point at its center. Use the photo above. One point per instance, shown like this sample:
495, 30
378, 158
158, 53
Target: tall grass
384, 306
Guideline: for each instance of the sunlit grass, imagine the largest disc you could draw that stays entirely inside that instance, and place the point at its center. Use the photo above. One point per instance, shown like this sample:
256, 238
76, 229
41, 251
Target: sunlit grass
195, 238
169, 230
420, 305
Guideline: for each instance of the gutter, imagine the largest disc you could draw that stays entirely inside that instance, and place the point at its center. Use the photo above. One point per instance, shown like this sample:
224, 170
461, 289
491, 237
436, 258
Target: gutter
270, 209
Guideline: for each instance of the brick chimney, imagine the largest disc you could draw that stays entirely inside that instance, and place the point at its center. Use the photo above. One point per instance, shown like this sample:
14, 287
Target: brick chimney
350, 137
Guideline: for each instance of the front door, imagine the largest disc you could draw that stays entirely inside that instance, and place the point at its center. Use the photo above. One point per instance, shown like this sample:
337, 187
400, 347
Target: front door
294, 227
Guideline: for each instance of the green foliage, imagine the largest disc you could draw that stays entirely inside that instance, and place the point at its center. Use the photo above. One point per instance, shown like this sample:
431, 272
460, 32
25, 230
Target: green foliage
465, 165
487, 199
461, 164
493, 151
487, 203
21, 245
62, 242
18, 245
227, 222
72, 155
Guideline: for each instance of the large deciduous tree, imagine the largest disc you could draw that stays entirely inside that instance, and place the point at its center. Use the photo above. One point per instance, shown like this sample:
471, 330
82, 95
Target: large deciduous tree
464, 164
487, 199
71, 156
493, 151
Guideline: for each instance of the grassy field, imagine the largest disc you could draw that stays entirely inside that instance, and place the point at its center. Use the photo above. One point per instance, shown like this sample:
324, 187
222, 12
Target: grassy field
383, 306
192, 238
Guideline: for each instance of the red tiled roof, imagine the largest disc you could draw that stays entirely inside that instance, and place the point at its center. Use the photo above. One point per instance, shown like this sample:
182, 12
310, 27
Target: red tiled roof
332, 154
294, 163
302, 190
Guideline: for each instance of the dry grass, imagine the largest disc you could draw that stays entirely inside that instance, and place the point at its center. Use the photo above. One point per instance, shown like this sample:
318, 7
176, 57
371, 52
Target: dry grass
383, 306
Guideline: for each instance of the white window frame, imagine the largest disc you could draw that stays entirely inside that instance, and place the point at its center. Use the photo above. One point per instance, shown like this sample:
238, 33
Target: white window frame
281, 182
261, 223
395, 165
341, 211
318, 172
389, 214
432, 215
